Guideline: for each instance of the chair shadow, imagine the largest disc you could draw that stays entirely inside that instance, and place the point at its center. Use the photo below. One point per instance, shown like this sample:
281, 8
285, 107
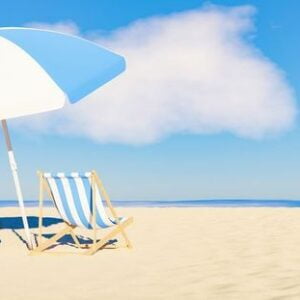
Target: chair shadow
68, 240
15, 223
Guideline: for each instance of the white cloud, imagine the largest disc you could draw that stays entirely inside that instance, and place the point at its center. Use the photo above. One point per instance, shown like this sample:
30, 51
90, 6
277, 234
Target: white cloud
66, 27
196, 72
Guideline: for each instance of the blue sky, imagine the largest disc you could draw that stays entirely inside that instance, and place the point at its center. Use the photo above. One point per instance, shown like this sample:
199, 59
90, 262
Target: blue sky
180, 166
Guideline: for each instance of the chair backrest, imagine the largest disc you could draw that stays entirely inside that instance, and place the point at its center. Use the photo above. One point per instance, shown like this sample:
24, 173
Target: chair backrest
73, 198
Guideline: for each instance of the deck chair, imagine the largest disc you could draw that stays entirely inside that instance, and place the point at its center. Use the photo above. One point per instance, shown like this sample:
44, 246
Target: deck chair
79, 201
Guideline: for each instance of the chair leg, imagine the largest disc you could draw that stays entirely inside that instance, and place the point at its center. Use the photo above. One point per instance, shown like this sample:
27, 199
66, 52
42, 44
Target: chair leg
74, 237
41, 198
76, 240
123, 233
52, 240
118, 228
95, 247
108, 202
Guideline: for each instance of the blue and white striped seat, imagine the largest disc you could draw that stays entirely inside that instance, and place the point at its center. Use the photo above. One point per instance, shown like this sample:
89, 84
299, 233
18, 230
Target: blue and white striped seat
73, 197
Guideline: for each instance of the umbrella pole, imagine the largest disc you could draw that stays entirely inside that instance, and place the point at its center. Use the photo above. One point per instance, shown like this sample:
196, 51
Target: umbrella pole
14, 169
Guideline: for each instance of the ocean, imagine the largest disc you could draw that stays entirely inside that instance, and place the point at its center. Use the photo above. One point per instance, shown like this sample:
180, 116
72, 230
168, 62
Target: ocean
179, 203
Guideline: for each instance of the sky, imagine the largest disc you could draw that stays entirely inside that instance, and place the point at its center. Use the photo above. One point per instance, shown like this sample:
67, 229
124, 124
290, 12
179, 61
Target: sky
207, 107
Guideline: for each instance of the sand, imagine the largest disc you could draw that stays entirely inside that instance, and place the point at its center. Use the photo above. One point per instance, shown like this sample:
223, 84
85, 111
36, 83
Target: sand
179, 253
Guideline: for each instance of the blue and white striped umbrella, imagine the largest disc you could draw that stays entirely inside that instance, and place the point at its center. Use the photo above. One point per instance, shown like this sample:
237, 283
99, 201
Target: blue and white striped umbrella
40, 70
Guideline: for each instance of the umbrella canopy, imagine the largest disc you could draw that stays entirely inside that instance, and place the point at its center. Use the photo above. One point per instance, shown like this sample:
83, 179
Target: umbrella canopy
41, 70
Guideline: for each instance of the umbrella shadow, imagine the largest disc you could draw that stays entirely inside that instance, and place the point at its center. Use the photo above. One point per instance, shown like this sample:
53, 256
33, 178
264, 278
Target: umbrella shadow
15, 223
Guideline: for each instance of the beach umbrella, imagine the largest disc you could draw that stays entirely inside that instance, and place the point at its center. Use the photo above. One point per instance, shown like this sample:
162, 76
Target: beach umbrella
40, 71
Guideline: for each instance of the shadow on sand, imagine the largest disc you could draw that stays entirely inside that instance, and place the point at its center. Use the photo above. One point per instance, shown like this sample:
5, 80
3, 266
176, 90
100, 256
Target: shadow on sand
33, 222
83, 240
15, 223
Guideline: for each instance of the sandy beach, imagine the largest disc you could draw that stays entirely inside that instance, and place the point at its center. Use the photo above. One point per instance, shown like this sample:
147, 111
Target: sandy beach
179, 253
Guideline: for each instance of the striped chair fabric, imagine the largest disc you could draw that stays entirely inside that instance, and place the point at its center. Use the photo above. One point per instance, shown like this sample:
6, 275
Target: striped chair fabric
73, 197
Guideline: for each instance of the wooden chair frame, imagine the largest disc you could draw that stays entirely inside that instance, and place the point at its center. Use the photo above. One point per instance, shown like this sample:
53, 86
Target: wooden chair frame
70, 229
